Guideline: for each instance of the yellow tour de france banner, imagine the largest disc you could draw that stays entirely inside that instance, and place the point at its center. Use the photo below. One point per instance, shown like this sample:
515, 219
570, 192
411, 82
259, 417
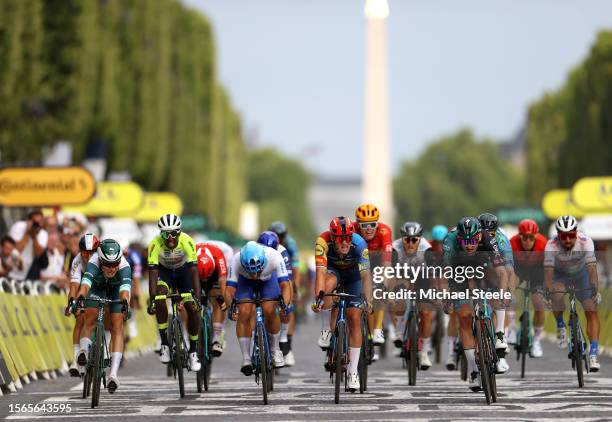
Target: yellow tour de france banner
593, 193
558, 202
156, 204
112, 199
40, 186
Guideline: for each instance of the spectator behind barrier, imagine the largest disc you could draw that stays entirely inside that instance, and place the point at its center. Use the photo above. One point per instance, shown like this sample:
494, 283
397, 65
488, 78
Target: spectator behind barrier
55, 255
9, 256
31, 240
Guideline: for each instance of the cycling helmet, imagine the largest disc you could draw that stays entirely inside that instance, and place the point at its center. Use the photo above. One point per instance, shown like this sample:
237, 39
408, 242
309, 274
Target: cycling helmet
279, 228
109, 252
528, 226
206, 263
412, 229
566, 223
268, 238
169, 222
468, 228
488, 221
341, 226
89, 242
253, 257
367, 212
439, 232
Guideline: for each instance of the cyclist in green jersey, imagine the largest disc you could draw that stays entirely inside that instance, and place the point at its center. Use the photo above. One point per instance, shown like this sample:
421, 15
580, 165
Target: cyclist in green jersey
173, 265
108, 276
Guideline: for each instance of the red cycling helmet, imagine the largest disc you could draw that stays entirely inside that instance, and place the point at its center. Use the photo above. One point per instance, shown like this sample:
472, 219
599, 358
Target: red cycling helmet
528, 226
206, 264
341, 228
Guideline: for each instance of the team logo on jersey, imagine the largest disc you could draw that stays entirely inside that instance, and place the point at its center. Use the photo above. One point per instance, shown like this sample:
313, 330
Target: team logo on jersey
365, 254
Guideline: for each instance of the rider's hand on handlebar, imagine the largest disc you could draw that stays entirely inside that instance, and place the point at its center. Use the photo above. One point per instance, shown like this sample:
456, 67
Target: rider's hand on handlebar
596, 296
79, 305
151, 307
69, 307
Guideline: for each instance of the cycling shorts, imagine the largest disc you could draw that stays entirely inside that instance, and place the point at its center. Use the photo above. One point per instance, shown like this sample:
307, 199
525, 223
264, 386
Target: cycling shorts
347, 283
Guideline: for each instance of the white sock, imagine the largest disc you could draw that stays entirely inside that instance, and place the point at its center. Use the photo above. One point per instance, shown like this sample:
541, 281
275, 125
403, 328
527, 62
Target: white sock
537, 333
353, 359
245, 347
76, 348
511, 316
275, 342
107, 338
450, 341
326, 320
115, 362
283, 332
85, 343
500, 315
217, 331
133, 327
426, 342
400, 324
471, 360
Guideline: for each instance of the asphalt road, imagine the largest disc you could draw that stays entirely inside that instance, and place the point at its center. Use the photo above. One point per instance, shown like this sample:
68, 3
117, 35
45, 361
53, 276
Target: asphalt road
304, 392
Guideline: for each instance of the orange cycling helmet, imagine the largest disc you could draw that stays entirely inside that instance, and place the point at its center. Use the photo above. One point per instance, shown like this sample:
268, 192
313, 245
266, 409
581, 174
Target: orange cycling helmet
528, 226
341, 228
367, 212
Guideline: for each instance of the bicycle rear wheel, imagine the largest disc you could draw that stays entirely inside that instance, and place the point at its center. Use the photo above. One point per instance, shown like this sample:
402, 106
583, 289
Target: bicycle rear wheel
576, 350
482, 359
179, 355
338, 357
263, 362
200, 375
363, 355
491, 359
439, 335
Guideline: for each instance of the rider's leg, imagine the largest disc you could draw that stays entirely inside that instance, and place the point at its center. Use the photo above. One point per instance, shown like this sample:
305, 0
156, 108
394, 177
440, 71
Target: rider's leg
593, 326
425, 328
89, 322
538, 315
218, 316
465, 314
272, 323
193, 325
161, 312
558, 305
353, 316
244, 328
116, 346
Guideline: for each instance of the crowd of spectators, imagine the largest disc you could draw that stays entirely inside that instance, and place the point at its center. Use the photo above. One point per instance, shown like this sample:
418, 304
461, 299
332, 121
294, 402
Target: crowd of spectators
41, 248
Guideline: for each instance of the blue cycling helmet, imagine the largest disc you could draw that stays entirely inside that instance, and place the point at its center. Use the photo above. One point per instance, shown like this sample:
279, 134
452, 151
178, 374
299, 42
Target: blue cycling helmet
268, 238
253, 257
439, 232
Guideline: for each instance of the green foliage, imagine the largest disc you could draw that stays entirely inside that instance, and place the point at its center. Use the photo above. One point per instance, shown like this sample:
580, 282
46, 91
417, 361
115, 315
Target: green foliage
279, 186
456, 176
570, 131
137, 75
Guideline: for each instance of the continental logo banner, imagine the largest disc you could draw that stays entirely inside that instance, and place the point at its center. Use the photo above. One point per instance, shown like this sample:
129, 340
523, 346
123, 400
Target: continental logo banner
39, 186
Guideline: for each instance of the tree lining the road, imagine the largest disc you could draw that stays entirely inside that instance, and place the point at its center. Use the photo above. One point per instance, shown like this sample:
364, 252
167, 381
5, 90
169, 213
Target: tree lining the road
569, 132
457, 175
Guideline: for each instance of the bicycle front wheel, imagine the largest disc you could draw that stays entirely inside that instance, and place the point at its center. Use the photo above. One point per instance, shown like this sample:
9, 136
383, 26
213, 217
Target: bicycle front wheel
179, 355
263, 362
413, 351
576, 350
524, 341
338, 359
97, 358
482, 359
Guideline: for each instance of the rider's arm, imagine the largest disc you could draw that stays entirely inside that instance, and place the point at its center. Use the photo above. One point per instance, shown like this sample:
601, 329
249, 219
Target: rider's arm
75, 278
192, 263
232, 279
91, 271
549, 264
321, 249
591, 264
364, 268
153, 262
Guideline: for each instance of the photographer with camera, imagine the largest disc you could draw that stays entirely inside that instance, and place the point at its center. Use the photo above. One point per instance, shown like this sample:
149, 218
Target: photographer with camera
31, 241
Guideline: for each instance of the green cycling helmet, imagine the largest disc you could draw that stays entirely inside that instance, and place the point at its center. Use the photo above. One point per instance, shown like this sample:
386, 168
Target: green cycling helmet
109, 252
468, 228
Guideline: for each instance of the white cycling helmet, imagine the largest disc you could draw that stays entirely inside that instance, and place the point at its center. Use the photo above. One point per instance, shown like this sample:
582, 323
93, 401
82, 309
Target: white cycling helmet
169, 222
566, 223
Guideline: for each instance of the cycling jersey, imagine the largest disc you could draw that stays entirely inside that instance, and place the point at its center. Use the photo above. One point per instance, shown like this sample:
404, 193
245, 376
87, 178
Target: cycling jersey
135, 261
569, 262
381, 245
504, 247
292, 250
529, 264
414, 259
487, 253
227, 250
109, 288
273, 274
326, 254
172, 259
77, 268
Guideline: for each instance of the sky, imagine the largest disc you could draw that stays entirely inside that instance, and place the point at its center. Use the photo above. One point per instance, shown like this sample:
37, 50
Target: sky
295, 69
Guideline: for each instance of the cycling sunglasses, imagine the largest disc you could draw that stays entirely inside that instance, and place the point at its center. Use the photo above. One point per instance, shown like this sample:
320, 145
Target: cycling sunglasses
527, 236
409, 239
170, 233
345, 237
469, 242
109, 265
371, 225
567, 235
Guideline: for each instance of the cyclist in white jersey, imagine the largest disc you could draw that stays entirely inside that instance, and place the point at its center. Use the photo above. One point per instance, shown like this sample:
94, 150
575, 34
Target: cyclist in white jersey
569, 259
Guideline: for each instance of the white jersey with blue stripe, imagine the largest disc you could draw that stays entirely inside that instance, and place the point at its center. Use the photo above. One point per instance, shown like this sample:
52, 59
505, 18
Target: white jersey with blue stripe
275, 264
